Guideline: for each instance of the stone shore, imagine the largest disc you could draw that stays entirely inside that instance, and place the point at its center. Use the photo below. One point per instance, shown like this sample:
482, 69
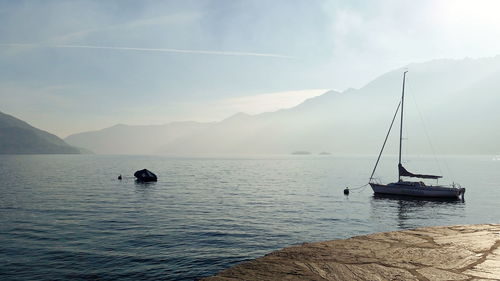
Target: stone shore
461, 252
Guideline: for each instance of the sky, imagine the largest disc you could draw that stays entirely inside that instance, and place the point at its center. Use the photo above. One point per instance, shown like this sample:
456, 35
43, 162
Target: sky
73, 66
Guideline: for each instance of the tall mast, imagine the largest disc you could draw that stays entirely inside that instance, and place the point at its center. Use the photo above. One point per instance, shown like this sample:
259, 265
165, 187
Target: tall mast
401, 125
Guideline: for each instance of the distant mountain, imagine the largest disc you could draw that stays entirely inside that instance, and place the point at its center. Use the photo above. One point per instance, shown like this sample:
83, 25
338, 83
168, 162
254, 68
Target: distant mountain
18, 137
125, 139
451, 108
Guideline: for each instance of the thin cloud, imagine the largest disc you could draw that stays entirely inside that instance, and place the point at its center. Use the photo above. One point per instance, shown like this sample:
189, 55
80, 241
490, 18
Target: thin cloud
165, 50
125, 27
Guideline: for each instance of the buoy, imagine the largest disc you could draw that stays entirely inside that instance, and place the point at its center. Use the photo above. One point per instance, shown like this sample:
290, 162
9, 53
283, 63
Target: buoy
120, 177
346, 191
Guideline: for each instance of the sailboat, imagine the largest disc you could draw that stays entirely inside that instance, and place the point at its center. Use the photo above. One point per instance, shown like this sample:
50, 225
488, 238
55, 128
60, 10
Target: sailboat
406, 187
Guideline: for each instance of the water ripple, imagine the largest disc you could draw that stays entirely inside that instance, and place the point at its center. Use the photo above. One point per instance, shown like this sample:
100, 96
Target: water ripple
67, 217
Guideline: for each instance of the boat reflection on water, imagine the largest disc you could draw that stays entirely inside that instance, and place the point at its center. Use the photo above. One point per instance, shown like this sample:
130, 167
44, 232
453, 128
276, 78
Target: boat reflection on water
412, 212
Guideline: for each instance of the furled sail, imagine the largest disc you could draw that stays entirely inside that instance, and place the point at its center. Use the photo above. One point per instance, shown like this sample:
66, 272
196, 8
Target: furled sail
404, 173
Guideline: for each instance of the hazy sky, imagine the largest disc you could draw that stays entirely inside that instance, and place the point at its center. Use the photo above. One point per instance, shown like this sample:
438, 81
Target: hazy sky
70, 66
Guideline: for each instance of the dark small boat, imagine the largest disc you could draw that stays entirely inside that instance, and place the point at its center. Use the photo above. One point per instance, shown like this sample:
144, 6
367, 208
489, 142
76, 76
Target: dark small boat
145, 175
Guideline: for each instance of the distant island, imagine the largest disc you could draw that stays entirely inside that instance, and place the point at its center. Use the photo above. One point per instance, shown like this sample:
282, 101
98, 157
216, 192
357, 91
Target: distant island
301, 152
19, 137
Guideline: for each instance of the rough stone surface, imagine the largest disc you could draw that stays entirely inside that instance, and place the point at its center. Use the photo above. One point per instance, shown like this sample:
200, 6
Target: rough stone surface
461, 252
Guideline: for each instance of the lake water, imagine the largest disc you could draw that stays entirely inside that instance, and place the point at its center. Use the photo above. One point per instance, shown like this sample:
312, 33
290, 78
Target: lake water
68, 217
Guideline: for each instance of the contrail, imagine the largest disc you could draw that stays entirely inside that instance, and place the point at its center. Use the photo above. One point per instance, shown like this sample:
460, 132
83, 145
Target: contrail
166, 50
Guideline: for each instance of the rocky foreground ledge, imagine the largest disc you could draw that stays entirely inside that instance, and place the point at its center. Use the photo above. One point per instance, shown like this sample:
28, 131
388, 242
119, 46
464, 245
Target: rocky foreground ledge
462, 252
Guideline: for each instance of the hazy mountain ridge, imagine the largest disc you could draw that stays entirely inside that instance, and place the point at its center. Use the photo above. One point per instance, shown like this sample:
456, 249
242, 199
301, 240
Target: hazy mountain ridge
131, 139
18, 137
439, 96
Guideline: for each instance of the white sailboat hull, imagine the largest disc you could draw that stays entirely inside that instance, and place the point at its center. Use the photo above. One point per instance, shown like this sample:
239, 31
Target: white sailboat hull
418, 190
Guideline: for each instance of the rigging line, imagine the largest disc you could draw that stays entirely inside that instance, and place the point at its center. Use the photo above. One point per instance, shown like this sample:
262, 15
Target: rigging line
408, 142
385, 141
422, 120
